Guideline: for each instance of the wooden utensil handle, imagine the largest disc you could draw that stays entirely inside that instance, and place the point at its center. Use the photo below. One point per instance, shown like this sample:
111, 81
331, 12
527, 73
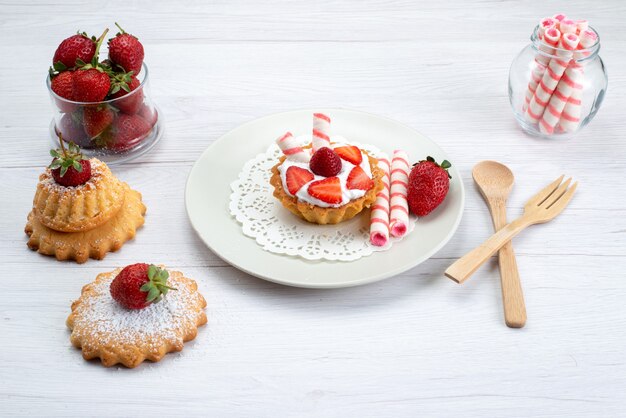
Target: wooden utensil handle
512, 294
465, 266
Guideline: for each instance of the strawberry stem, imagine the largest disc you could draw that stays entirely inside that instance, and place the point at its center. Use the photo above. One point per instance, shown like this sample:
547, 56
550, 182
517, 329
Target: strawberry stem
119, 27
96, 55
62, 145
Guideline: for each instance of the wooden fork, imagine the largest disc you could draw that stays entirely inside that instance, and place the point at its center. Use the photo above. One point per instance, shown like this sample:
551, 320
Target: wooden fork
542, 207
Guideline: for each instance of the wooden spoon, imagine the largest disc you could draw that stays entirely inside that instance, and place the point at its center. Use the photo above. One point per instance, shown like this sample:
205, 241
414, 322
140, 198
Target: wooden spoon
495, 182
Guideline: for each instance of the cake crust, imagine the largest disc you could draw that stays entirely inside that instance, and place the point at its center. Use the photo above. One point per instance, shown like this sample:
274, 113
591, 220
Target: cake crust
94, 243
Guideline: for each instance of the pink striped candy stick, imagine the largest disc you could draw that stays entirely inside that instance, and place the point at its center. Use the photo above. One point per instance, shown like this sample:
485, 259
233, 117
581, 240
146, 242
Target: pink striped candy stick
551, 77
321, 131
570, 117
379, 218
551, 38
567, 85
292, 149
399, 209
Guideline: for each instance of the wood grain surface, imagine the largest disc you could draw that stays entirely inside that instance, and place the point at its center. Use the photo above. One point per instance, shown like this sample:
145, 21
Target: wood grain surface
414, 345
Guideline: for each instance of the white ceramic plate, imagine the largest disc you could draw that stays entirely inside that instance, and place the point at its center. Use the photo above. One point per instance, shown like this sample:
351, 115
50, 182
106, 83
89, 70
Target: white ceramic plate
208, 191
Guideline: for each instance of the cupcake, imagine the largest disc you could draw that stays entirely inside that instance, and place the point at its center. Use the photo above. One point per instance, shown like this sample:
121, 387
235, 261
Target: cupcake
80, 209
328, 181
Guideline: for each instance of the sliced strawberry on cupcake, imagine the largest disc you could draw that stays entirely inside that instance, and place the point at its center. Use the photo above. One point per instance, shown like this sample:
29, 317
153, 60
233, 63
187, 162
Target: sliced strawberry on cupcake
69, 167
350, 153
140, 285
358, 179
297, 177
327, 190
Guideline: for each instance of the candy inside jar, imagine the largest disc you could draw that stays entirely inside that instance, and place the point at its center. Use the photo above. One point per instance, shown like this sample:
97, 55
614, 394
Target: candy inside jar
557, 82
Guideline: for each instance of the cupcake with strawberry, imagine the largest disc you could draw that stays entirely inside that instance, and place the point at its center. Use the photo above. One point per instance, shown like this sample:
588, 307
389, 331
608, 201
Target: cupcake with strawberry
328, 181
80, 209
136, 313
102, 104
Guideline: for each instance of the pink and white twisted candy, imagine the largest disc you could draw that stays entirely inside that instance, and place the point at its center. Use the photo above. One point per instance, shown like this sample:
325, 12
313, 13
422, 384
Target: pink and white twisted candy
550, 38
570, 82
379, 217
551, 77
399, 209
570, 117
321, 131
292, 149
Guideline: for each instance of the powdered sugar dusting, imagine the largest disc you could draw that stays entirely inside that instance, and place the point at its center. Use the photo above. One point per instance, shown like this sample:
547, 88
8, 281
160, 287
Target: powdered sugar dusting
100, 317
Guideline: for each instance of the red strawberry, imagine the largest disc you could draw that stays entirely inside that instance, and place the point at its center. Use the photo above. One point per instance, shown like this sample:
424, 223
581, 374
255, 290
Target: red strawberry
96, 119
139, 285
128, 131
71, 128
149, 114
62, 85
325, 162
90, 85
125, 85
428, 186
358, 179
69, 167
350, 153
327, 190
297, 177
78, 47
126, 51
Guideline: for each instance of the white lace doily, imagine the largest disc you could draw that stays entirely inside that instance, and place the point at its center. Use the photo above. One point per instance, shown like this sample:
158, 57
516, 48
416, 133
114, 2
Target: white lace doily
277, 230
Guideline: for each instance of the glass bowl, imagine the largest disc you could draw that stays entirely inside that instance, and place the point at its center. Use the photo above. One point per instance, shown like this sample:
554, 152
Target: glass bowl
127, 126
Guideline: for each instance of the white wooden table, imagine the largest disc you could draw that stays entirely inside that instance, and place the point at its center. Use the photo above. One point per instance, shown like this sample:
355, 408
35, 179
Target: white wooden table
414, 345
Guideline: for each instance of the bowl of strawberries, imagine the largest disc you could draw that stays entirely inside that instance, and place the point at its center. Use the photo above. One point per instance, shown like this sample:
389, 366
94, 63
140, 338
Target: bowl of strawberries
103, 105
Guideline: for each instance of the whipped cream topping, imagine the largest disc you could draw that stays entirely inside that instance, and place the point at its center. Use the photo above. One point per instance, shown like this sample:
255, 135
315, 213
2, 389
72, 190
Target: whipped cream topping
346, 167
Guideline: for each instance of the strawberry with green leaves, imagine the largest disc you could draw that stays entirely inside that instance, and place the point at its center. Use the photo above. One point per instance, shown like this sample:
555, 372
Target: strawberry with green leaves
87, 81
126, 52
69, 167
91, 79
77, 47
428, 186
139, 285
126, 84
